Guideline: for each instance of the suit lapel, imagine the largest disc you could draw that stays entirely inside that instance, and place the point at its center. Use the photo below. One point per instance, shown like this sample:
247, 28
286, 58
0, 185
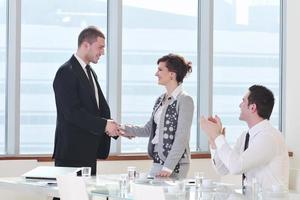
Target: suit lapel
83, 78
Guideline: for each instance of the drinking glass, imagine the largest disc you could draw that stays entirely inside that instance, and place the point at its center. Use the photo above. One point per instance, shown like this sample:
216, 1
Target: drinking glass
86, 172
199, 176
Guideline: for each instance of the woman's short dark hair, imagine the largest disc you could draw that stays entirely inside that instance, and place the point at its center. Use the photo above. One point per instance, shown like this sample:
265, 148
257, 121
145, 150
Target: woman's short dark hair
176, 63
90, 35
264, 100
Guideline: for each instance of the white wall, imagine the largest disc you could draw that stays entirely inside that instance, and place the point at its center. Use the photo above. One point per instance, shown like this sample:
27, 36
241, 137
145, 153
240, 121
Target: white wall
16, 167
292, 86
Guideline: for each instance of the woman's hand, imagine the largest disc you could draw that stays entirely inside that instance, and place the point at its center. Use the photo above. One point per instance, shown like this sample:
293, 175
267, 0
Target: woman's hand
123, 132
163, 173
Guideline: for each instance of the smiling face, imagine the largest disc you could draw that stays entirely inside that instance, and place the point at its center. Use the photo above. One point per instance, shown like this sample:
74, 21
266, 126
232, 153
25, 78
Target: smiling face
95, 50
164, 75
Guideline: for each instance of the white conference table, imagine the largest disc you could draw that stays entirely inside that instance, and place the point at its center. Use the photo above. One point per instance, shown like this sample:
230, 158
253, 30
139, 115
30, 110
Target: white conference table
21, 185
108, 186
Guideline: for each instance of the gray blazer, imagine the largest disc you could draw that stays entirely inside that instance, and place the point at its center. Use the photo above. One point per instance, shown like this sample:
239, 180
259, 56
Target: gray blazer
174, 129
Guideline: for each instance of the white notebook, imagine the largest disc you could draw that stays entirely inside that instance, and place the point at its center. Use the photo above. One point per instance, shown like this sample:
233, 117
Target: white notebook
50, 172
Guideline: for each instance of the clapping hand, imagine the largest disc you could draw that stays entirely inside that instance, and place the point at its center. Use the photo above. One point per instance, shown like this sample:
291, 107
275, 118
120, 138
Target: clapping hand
217, 120
212, 127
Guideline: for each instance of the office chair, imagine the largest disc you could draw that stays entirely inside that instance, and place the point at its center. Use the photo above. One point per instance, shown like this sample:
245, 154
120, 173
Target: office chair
72, 188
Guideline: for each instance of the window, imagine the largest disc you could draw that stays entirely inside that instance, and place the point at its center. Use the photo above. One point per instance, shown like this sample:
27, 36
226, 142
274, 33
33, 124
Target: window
2, 73
246, 52
48, 41
152, 29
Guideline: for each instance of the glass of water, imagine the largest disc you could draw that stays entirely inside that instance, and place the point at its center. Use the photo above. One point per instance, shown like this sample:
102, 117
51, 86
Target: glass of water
86, 172
123, 184
131, 172
199, 176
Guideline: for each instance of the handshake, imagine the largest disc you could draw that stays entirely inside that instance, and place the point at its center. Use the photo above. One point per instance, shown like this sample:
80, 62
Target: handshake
114, 129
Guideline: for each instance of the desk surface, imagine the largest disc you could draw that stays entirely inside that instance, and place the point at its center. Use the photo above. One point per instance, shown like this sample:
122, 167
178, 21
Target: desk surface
108, 186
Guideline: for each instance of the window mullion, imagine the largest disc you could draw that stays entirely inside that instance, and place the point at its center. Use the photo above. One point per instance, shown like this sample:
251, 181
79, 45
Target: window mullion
12, 126
114, 63
205, 63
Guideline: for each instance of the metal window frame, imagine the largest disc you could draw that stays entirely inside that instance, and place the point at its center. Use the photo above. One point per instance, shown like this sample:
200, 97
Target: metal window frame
282, 66
13, 77
114, 64
205, 67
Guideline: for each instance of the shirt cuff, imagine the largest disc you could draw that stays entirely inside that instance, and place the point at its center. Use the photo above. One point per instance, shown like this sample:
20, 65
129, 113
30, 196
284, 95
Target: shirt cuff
220, 141
212, 152
167, 169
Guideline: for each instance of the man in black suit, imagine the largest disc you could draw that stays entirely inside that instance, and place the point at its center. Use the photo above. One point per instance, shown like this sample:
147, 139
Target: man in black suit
83, 126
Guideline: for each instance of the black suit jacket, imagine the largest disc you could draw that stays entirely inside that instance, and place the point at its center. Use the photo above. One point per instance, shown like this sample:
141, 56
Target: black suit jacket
80, 125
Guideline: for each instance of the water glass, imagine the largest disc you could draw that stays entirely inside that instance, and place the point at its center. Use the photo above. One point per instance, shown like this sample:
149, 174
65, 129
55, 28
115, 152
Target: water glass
255, 189
131, 172
86, 172
176, 191
181, 185
123, 184
207, 183
199, 176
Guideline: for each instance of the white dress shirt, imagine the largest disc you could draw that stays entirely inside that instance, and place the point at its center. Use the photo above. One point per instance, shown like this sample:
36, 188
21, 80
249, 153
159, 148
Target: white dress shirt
83, 65
157, 115
266, 158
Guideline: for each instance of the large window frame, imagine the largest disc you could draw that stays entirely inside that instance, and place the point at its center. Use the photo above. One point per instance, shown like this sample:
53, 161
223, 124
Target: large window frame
3, 58
114, 70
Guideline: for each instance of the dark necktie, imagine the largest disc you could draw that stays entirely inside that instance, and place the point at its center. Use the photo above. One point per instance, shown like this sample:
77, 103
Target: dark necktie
245, 147
88, 70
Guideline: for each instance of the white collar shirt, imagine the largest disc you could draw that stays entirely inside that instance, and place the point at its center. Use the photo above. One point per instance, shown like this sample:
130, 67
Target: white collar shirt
158, 113
266, 158
83, 65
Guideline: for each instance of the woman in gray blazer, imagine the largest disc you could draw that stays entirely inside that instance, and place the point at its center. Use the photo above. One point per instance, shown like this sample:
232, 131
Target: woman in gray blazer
170, 124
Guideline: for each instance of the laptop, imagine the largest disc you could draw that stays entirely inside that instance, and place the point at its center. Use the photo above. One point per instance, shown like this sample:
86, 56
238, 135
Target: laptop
50, 172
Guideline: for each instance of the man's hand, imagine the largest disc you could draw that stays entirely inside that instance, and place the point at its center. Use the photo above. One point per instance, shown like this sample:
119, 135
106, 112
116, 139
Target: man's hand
223, 131
210, 140
212, 127
217, 120
112, 128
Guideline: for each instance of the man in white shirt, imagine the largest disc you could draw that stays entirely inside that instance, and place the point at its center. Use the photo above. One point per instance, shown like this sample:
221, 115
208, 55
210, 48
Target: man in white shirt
259, 153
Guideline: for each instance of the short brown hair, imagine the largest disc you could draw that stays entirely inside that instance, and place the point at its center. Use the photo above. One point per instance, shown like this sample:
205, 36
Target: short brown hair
176, 63
90, 35
264, 100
